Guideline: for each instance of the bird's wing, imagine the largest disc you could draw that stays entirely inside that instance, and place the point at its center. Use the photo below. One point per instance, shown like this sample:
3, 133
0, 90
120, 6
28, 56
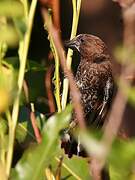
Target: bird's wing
107, 96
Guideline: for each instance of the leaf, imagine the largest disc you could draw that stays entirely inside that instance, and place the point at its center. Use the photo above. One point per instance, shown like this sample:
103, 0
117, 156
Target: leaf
14, 61
24, 130
3, 136
3, 49
20, 26
122, 160
37, 158
11, 8
3, 126
128, 91
91, 143
7, 87
122, 54
32, 65
35, 81
75, 168
8, 34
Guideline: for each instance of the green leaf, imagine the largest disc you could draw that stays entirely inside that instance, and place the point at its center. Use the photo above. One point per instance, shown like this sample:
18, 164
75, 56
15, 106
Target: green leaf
8, 34
3, 136
122, 160
35, 81
20, 26
128, 91
37, 158
71, 168
3, 126
24, 130
33, 73
3, 49
75, 168
122, 54
91, 143
7, 87
32, 65
11, 8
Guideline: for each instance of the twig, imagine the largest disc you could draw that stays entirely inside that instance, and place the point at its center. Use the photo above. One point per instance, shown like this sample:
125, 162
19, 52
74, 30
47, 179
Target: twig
26, 91
56, 13
32, 113
34, 124
49, 89
68, 169
59, 168
129, 77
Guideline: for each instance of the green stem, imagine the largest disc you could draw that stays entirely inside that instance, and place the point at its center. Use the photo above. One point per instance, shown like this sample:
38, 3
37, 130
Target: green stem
23, 60
25, 4
3, 49
76, 13
57, 74
3, 151
0, 56
2, 141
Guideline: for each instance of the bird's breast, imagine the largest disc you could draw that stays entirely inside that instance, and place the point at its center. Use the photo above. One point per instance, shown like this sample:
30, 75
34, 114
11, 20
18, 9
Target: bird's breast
91, 80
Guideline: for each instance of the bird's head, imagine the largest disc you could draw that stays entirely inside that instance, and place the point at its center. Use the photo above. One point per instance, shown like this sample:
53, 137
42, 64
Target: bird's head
87, 45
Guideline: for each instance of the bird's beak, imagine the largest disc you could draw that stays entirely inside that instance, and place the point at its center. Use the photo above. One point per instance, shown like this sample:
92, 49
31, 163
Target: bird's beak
73, 44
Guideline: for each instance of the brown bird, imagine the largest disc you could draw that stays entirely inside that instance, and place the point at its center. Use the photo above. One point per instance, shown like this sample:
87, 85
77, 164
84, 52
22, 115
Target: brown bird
93, 77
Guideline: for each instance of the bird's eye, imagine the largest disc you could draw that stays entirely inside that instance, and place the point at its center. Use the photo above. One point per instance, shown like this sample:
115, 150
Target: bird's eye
82, 40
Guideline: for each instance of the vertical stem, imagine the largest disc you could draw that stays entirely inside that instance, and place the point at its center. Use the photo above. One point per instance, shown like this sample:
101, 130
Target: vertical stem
3, 151
3, 49
76, 13
15, 111
56, 13
57, 74
25, 4
48, 86
0, 55
34, 124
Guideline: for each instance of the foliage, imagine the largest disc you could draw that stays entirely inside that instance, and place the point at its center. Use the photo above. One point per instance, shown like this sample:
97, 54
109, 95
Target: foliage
44, 160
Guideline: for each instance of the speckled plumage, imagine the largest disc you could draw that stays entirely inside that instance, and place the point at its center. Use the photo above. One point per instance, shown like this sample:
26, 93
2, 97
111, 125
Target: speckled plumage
93, 78
94, 73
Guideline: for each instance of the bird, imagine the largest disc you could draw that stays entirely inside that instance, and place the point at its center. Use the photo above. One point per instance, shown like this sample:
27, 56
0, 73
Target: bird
93, 78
